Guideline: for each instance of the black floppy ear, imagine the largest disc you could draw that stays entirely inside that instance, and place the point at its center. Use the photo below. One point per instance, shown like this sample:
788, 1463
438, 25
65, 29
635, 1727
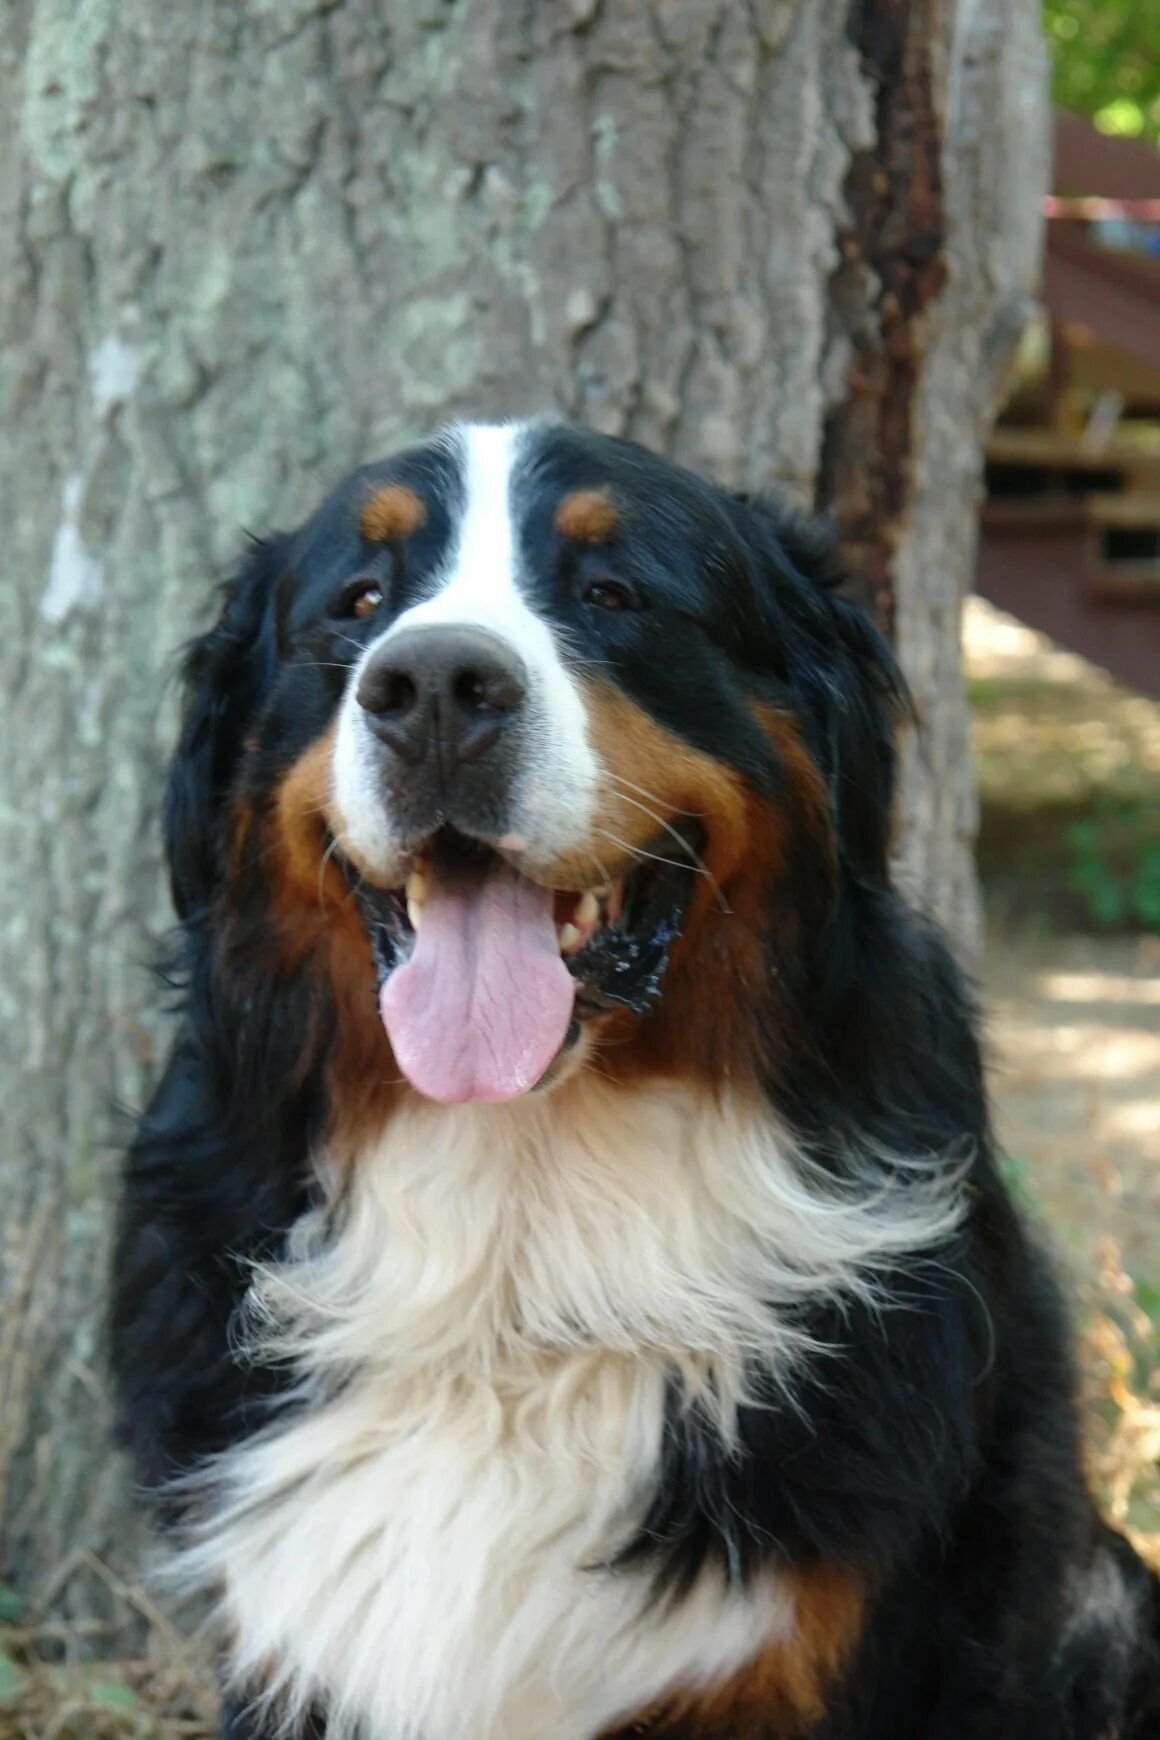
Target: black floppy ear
862, 699
843, 670
225, 672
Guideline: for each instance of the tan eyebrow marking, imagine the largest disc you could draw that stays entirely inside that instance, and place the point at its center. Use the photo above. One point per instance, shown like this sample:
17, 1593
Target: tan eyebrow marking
588, 516
393, 510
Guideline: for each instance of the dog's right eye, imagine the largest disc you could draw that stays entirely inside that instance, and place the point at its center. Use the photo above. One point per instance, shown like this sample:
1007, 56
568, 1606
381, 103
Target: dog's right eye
609, 595
361, 599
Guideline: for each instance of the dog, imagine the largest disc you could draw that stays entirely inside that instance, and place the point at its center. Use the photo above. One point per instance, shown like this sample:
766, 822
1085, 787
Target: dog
564, 1288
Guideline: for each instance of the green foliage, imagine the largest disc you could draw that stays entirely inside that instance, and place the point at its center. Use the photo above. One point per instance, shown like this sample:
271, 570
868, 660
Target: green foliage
1117, 892
12, 1678
113, 1694
1106, 62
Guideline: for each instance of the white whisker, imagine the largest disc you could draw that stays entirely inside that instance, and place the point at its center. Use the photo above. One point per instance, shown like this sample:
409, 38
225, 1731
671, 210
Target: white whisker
652, 796
323, 862
654, 857
696, 862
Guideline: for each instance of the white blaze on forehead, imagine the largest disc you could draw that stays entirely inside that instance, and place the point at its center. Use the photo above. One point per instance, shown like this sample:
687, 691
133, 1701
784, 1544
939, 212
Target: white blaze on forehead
481, 585
481, 581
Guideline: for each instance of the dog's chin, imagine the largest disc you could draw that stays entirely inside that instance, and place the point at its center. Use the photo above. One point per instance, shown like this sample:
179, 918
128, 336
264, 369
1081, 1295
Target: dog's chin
491, 983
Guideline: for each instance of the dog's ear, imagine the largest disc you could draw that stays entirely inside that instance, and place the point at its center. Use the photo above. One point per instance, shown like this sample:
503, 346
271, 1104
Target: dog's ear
225, 672
841, 667
861, 699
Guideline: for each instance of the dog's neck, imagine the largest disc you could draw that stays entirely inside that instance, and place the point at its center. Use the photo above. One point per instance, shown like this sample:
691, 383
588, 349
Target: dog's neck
663, 1221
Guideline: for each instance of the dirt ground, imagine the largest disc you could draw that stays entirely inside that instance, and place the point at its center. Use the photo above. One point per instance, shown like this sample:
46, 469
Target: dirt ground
1073, 1020
1073, 1028
1050, 727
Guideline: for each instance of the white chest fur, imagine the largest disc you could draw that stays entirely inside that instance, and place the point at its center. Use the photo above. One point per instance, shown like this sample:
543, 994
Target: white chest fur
485, 1326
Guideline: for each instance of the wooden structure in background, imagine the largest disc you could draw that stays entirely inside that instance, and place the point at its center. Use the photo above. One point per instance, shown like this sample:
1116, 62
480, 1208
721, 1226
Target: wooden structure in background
1070, 529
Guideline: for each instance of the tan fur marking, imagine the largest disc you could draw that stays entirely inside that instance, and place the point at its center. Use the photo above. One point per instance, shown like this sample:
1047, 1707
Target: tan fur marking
803, 770
242, 823
392, 511
783, 1691
651, 770
704, 1021
317, 916
587, 516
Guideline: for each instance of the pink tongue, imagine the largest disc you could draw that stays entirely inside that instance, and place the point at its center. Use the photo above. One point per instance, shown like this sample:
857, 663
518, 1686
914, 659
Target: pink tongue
483, 1005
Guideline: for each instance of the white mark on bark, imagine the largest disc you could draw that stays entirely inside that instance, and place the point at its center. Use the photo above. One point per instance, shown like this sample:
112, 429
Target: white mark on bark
114, 368
580, 310
75, 578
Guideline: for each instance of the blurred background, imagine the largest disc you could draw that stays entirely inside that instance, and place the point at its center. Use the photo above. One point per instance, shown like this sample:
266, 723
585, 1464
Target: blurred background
898, 258
1062, 656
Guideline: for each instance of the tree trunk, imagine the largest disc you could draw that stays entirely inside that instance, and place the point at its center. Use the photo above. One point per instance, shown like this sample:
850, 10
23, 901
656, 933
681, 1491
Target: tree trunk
246, 247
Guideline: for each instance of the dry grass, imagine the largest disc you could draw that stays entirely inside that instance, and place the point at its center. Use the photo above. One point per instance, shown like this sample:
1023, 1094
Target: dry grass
55, 1684
1121, 1375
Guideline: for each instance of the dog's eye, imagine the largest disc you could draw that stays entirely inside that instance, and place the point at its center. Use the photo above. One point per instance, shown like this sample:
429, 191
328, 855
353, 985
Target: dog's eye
361, 599
609, 595
366, 602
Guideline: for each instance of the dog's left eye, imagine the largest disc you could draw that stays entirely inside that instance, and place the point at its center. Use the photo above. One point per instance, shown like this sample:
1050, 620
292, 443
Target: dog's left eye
361, 599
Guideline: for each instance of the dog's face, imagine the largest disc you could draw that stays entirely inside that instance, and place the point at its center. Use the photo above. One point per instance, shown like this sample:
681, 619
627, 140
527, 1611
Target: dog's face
547, 739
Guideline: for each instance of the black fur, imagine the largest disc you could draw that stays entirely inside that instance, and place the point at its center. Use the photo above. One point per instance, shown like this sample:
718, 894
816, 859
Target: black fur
932, 1448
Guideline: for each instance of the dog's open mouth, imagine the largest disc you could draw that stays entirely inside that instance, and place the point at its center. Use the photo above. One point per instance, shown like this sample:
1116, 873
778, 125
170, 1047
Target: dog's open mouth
485, 976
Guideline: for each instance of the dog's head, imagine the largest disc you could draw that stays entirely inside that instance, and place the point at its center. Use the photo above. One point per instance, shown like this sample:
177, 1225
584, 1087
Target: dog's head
529, 744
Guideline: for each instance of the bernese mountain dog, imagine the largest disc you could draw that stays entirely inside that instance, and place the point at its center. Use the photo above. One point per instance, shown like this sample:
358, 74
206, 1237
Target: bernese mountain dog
564, 1286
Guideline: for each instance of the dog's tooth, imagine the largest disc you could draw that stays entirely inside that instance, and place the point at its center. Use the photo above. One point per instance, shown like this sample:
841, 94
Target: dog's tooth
416, 888
415, 912
568, 937
587, 909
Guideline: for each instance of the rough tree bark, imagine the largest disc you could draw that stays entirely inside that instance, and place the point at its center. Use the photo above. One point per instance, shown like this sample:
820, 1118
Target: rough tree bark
245, 247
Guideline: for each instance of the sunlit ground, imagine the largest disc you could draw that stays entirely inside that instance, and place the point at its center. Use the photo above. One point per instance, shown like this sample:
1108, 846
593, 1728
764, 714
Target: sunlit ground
1075, 1037
1049, 726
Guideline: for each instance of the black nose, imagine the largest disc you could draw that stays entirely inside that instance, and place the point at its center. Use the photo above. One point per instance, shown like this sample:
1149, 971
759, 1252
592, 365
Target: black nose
449, 691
